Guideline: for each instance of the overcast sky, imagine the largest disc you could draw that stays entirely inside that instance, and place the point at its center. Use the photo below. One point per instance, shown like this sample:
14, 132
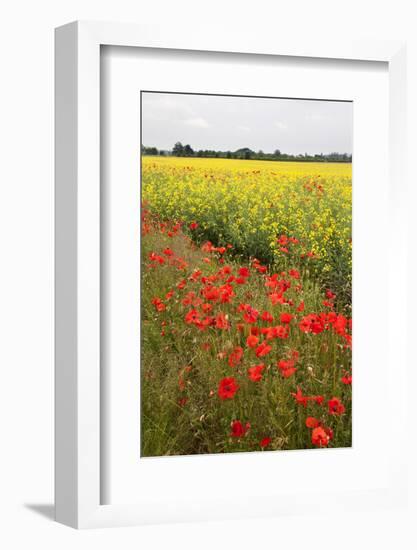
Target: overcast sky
229, 123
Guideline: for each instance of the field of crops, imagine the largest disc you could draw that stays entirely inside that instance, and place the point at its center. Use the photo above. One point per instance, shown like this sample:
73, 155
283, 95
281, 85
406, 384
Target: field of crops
246, 305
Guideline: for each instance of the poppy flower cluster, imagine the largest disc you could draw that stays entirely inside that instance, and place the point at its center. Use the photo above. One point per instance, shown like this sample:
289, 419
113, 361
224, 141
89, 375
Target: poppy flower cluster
262, 359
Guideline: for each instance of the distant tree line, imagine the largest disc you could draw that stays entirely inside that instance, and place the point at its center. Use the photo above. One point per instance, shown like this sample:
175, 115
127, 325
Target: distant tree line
180, 150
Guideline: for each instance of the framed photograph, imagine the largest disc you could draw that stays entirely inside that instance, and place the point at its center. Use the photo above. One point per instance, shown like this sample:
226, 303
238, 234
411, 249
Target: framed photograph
229, 219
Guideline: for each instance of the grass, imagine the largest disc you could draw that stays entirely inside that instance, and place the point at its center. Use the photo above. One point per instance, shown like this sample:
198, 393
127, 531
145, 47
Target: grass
184, 362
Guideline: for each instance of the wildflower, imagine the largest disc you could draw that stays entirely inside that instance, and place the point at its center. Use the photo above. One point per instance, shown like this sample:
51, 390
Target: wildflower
255, 373
265, 442
159, 304
250, 315
335, 406
312, 422
319, 437
222, 322
181, 284
235, 356
252, 340
317, 399
294, 273
211, 293
266, 316
227, 388
286, 373
286, 317
346, 379
238, 429
263, 349
300, 398
311, 323
192, 317
281, 332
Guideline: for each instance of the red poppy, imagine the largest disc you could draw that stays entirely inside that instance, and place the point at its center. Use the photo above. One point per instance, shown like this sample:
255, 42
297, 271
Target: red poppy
263, 349
192, 317
265, 442
347, 379
159, 304
251, 315
211, 293
227, 388
193, 225
319, 437
300, 398
286, 364
252, 340
286, 317
266, 316
155, 258
317, 399
335, 406
281, 332
286, 373
235, 356
255, 373
312, 323
168, 252
294, 273
244, 272
222, 322
312, 422
301, 306
238, 429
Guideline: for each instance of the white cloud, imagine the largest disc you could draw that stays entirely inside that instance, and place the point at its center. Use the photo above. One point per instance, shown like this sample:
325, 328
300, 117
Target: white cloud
281, 125
197, 122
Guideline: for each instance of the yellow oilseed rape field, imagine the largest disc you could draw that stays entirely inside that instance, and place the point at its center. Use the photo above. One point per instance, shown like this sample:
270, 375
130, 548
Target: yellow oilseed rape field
250, 204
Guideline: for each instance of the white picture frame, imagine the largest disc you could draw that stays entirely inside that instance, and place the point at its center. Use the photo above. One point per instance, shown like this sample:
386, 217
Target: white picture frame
77, 421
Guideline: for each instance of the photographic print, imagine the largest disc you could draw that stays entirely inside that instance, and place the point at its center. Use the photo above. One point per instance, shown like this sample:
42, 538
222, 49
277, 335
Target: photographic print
246, 274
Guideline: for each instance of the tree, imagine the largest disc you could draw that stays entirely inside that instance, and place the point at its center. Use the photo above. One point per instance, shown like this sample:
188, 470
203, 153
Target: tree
149, 150
188, 151
244, 153
178, 149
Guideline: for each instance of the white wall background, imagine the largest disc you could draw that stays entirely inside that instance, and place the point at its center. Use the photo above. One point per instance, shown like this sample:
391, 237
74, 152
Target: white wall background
26, 269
